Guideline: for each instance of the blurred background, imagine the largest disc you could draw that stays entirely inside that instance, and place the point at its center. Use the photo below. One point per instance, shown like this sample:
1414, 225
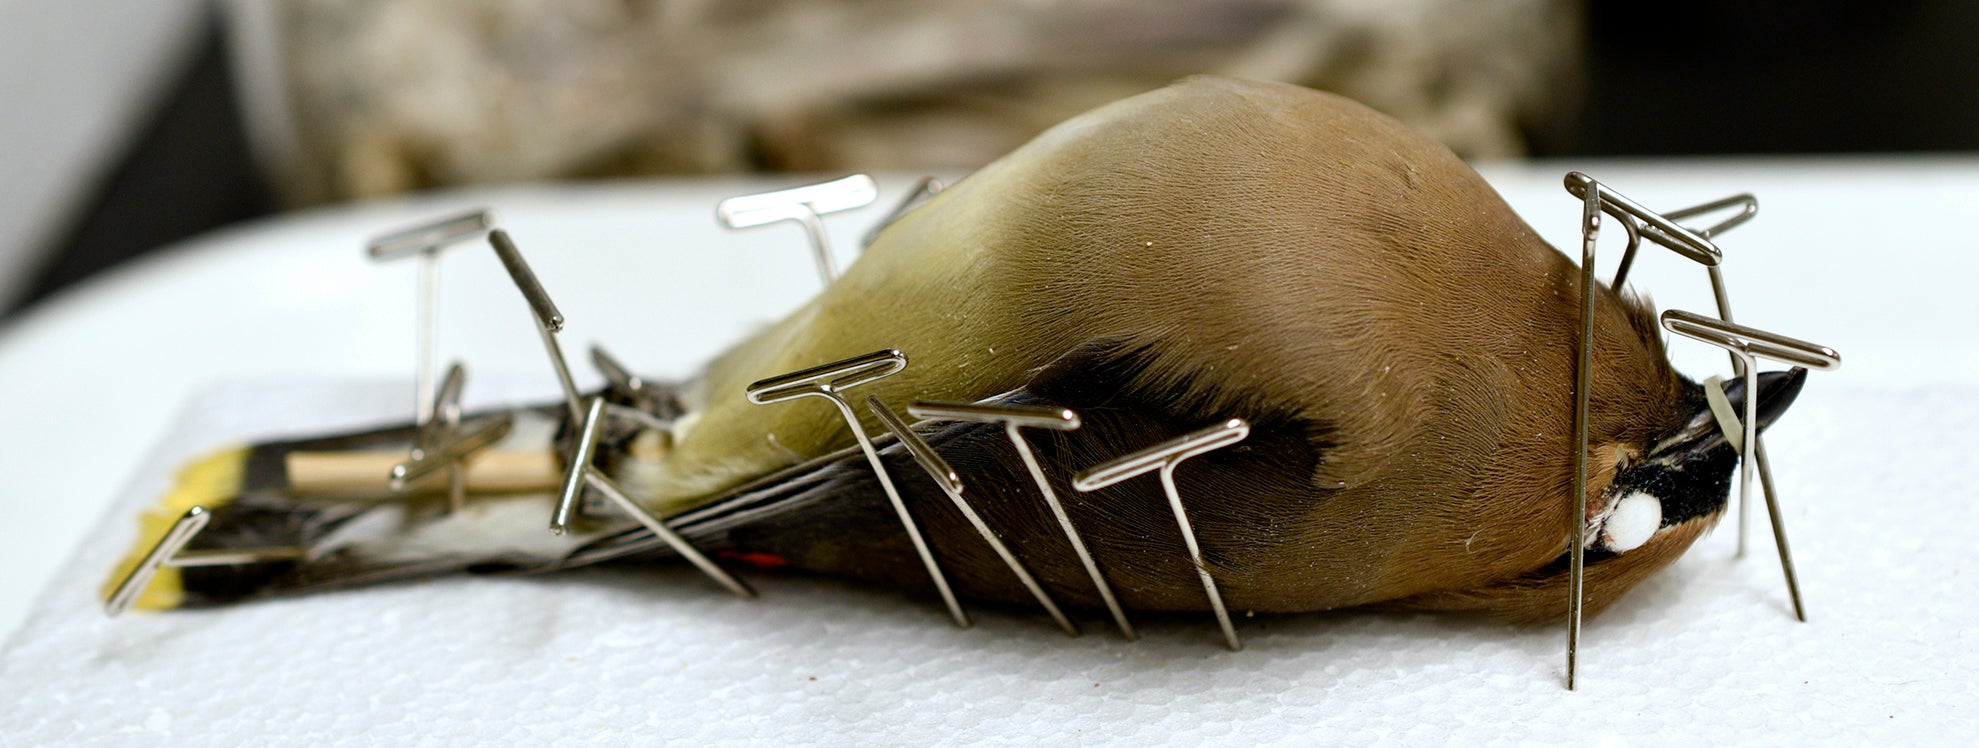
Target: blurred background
131, 125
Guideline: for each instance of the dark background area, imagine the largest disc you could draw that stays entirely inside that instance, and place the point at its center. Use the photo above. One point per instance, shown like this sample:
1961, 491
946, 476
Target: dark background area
1824, 76
1692, 77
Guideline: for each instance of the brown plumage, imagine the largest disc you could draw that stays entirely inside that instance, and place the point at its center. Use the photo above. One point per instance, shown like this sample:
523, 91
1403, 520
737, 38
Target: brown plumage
1401, 342
1229, 248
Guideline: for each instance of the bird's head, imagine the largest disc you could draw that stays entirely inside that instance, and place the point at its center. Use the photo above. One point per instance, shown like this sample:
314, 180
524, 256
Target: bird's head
1684, 476
1651, 497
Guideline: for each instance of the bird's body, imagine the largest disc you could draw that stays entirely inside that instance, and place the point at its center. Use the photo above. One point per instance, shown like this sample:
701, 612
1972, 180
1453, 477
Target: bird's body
1402, 343
1219, 249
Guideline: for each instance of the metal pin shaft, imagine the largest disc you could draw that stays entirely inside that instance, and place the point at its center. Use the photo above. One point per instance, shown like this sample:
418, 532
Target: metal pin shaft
580, 459
926, 188
426, 240
617, 376
1015, 418
1748, 207
950, 483
549, 321
485, 431
445, 424
1165, 457
582, 473
1657, 228
827, 381
610, 488
803, 205
446, 412
417, 239
429, 334
1746, 346
1583, 378
182, 532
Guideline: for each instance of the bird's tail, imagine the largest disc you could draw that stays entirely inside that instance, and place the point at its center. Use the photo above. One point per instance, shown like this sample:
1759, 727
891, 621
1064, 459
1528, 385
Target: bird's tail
285, 517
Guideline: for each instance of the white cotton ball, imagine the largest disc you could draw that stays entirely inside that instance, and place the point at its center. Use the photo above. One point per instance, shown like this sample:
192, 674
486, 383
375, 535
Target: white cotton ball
1634, 519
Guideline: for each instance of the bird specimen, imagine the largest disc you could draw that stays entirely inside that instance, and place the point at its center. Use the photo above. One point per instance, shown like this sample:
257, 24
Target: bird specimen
1401, 345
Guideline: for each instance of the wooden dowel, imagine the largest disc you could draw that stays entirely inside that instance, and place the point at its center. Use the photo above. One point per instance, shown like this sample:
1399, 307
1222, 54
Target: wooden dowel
368, 473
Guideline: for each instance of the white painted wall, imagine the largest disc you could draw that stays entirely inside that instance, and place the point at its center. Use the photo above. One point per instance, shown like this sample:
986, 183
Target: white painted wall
77, 80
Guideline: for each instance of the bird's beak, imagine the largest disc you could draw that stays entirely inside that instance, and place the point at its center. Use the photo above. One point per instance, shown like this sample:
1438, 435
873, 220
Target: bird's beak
1777, 390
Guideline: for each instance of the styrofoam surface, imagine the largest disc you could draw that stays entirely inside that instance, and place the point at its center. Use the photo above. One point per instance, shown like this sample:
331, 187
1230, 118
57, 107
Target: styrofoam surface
1707, 650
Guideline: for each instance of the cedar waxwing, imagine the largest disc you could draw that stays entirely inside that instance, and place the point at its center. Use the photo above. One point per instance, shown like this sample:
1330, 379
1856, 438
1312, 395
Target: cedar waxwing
1401, 343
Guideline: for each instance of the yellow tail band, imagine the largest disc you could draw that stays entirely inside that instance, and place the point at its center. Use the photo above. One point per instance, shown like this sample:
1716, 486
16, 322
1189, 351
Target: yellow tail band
208, 481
